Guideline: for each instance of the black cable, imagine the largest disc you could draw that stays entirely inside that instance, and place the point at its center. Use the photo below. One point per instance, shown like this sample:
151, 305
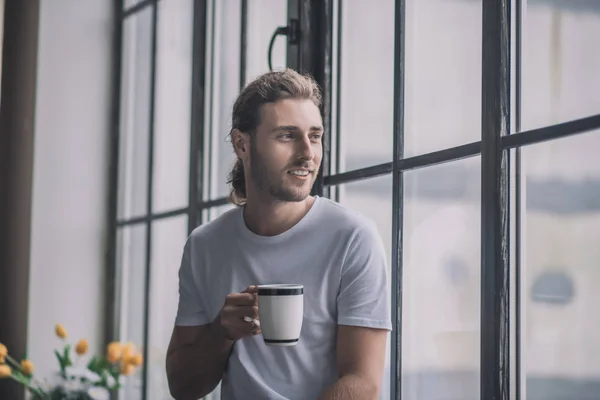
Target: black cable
282, 30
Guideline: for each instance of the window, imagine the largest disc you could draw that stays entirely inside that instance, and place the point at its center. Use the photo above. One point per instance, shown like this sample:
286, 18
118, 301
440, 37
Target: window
451, 138
560, 269
441, 320
373, 198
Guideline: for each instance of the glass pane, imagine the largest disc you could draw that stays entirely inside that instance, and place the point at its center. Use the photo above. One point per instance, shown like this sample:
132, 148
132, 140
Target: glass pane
224, 78
261, 26
173, 105
560, 275
131, 262
168, 239
561, 61
443, 74
135, 114
441, 282
366, 72
373, 198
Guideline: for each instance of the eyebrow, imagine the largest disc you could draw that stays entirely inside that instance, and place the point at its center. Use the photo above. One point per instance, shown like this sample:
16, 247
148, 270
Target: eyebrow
295, 128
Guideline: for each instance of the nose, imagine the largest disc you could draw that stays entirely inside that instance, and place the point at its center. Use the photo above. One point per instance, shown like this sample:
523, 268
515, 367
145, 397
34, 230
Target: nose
306, 149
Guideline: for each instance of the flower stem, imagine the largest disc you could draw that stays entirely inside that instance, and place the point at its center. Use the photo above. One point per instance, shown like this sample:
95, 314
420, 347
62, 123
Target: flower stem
14, 363
17, 367
32, 389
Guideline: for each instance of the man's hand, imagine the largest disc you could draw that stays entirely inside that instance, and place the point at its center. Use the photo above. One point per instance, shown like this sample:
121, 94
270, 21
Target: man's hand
230, 320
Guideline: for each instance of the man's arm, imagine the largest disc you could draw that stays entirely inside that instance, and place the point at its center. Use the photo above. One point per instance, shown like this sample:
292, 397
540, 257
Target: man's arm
360, 362
196, 359
197, 355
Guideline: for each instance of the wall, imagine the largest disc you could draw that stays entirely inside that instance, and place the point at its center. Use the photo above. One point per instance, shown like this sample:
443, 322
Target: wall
70, 190
17, 109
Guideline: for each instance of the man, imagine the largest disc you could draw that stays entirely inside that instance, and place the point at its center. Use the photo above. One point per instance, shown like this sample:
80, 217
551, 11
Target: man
280, 234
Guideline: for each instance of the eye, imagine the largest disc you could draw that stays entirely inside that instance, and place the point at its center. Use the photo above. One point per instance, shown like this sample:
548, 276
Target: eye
286, 136
317, 136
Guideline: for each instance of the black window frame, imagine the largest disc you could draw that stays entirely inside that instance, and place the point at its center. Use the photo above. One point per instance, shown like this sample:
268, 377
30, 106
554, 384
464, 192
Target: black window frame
313, 53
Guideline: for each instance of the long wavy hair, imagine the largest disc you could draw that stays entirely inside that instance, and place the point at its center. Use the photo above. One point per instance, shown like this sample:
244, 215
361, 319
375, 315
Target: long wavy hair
267, 88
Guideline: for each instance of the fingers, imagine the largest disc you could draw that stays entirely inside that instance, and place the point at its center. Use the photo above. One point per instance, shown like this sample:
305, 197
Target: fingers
241, 299
241, 311
238, 327
255, 325
237, 308
247, 297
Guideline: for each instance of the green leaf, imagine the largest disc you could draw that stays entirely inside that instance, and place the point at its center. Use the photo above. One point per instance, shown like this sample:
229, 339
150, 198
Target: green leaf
95, 365
19, 377
67, 355
59, 357
66, 350
115, 372
103, 382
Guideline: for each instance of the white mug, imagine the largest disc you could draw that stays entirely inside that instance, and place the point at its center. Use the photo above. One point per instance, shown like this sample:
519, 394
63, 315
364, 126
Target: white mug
281, 310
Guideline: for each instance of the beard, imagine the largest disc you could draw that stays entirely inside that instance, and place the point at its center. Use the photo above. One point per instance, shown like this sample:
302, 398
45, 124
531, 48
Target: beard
272, 183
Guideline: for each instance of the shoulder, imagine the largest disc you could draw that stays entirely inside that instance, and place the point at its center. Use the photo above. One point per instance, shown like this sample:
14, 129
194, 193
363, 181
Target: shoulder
344, 220
214, 230
357, 232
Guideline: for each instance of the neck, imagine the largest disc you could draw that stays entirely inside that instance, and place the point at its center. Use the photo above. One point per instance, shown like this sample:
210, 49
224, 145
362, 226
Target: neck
273, 217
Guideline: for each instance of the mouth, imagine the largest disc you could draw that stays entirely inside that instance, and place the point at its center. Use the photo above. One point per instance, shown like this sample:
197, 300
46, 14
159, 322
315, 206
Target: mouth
300, 173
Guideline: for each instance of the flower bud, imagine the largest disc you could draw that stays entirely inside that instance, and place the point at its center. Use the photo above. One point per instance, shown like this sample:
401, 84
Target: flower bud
5, 371
128, 351
127, 369
113, 352
82, 347
137, 360
27, 367
60, 330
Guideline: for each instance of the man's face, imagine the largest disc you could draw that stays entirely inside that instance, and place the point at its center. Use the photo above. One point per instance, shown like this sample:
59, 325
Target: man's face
286, 149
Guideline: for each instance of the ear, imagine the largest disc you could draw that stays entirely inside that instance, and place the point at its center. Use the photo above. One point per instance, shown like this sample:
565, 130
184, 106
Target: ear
241, 143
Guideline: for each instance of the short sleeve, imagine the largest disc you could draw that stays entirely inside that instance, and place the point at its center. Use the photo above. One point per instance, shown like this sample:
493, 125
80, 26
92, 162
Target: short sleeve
364, 298
190, 311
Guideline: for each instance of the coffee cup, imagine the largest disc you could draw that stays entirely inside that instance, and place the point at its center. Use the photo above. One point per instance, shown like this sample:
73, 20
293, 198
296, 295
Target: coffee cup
281, 310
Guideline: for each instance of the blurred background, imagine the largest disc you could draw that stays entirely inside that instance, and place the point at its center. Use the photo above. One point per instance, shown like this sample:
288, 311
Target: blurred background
114, 117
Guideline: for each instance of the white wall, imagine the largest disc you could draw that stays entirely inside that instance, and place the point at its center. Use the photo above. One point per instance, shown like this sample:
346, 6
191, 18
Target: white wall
70, 175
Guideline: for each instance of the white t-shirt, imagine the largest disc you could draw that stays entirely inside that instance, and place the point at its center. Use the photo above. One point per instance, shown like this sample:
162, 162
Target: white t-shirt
334, 252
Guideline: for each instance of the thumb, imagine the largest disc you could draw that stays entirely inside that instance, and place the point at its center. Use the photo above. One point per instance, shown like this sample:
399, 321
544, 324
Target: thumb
251, 289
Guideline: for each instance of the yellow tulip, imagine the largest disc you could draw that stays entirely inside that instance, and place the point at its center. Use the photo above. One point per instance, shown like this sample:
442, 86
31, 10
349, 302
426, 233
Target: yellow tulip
128, 351
27, 367
136, 360
82, 347
60, 330
127, 369
115, 345
113, 352
5, 371
3, 351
